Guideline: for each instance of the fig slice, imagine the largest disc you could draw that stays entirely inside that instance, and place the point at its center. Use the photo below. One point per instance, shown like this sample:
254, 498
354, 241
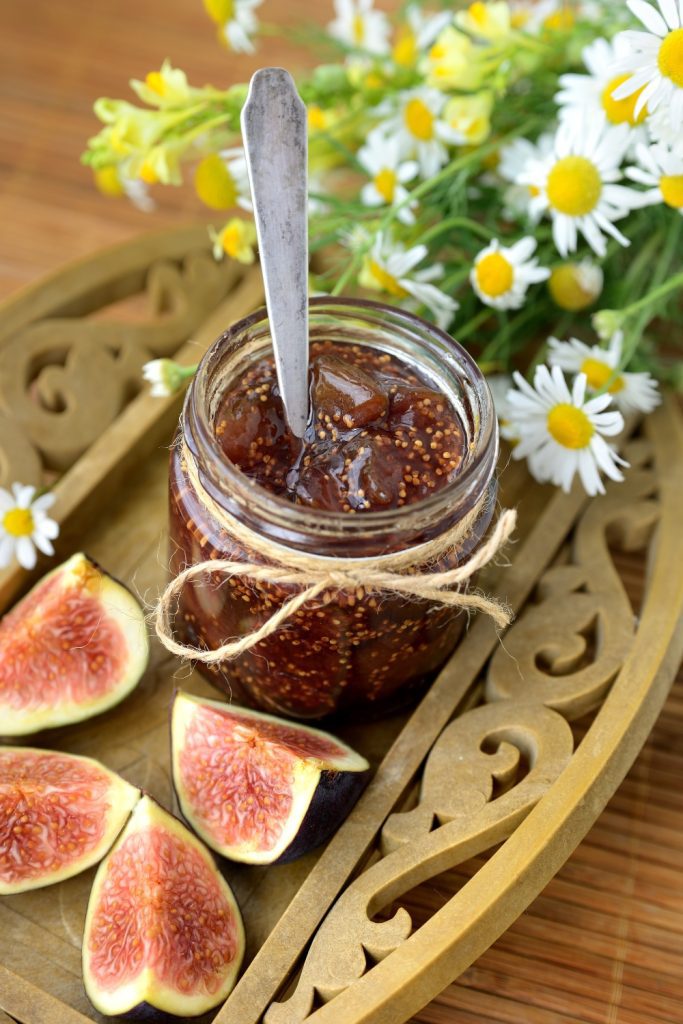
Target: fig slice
163, 931
59, 814
72, 648
257, 788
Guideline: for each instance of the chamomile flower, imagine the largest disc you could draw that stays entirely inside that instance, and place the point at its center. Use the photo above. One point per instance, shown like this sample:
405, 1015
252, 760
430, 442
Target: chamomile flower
236, 22
380, 157
631, 392
416, 34
501, 275
575, 286
221, 180
359, 26
655, 64
662, 131
662, 170
490, 21
514, 158
166, 377
560, 433
390, 267
25, 526
576, 184
592, 94
420, 129
236, 240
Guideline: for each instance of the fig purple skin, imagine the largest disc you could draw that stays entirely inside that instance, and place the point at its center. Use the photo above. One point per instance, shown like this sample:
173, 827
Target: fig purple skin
256, 788
163, 933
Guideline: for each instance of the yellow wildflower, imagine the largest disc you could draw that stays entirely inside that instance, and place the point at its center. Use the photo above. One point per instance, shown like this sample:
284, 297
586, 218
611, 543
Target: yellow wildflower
236, 240
214, 183
107, 181
165, 88
489, 21
454, 61
470, 116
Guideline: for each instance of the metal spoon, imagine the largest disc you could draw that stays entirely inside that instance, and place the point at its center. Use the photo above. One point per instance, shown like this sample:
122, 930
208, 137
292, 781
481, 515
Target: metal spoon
274, 129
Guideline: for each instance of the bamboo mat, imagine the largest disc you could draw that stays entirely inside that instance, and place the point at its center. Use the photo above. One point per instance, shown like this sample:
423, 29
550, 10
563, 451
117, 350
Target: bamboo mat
603, 944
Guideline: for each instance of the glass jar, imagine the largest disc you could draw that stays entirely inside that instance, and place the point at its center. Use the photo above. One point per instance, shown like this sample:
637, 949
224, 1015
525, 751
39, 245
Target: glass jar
364, 651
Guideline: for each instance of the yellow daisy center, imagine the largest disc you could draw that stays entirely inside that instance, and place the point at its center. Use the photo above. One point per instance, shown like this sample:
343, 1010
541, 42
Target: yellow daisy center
220, 11
385, 183
386, 281
670, 57
621, 111
574, 186
405, 48
155, 81
358, 29
214, 184
598, 373
495, 275
419, 120
18, 522
567, 289
672, 190
570, 426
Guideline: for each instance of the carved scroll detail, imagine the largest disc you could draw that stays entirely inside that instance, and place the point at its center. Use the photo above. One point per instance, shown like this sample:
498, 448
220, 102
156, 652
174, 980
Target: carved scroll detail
64, 380
470, 799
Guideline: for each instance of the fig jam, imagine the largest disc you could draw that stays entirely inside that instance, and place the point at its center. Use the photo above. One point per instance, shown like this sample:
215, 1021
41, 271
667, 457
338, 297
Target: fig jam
401, 445
379, 436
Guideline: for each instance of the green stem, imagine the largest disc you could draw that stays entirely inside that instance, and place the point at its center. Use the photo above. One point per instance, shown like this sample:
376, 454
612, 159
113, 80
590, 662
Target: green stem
472, 226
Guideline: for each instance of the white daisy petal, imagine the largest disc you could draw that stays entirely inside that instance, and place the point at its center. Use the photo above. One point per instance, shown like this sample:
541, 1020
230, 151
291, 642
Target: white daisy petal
651, 19
26, 553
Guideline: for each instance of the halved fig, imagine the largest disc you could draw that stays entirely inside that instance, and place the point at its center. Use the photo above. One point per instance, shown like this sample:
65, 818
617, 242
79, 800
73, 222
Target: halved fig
59, 814
163, 931
257, 788
72, 648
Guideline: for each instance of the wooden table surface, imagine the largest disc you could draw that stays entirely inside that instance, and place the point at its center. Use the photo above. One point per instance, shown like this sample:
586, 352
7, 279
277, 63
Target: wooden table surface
604, 943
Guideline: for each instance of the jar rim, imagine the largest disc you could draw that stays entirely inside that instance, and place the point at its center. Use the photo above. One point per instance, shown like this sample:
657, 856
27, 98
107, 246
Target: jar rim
479, 468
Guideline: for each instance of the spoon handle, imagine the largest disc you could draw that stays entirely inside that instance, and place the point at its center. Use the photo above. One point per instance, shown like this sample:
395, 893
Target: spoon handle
274, 129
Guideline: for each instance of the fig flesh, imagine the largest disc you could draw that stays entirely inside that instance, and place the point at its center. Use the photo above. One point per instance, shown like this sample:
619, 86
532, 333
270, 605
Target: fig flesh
257, 788
59, 814
72, 648
163, 931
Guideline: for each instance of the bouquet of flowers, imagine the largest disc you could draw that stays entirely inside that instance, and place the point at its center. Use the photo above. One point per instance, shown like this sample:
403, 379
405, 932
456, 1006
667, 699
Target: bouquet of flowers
513, 170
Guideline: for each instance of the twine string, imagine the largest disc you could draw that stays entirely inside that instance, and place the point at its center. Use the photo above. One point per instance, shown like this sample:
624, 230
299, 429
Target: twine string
405, 573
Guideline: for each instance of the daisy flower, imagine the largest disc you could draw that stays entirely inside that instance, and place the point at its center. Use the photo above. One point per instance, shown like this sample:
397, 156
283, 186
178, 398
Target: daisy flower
221, 180
631, 392
380, 157
501, 276
25, 525
236, 22
575, 286
166, 377
592, 94
417, 33
576, 184
390, 267
662, 170
655, 63
420, 130
560, 433
361, 27
514, 158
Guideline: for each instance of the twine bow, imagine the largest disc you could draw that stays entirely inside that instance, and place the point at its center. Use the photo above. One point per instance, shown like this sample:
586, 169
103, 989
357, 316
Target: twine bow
314, 576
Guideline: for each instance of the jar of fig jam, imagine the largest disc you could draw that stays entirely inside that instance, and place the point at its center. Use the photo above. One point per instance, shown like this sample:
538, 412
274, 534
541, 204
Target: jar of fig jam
401, 446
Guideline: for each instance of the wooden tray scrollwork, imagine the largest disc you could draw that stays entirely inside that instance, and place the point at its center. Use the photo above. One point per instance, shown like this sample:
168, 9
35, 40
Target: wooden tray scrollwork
510, 756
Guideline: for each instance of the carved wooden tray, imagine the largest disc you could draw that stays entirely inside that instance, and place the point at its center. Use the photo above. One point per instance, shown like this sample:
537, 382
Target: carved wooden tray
512, 754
